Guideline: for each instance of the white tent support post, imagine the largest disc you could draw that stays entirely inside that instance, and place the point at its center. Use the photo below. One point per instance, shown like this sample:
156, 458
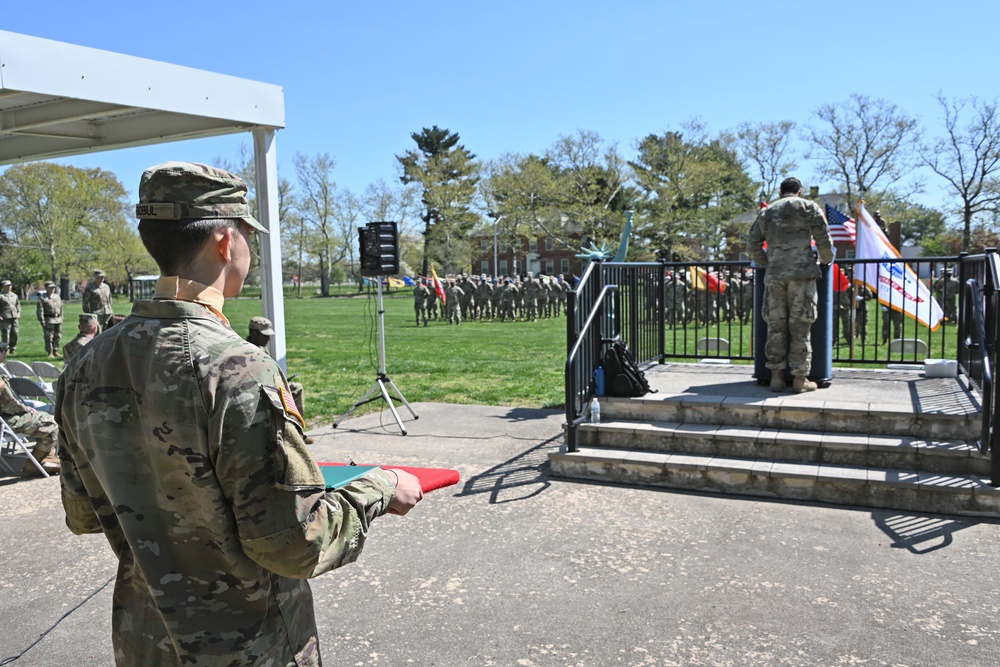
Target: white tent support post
266, 162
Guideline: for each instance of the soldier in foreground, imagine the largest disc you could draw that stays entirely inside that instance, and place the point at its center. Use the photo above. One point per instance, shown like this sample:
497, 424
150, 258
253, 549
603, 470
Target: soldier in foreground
24, 419
789, 226
179, 441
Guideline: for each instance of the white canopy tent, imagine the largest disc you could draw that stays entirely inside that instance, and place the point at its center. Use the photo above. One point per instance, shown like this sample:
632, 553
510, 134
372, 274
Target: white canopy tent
59, 99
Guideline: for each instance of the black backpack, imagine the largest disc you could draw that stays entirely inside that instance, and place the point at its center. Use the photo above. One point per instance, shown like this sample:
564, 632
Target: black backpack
622, 376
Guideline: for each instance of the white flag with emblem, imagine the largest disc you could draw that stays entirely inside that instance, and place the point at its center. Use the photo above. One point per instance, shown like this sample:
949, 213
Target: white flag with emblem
895, 283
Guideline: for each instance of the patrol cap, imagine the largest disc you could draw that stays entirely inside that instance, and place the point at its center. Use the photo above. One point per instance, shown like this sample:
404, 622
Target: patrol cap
49, 283
98, 272
3, 347
261, 324
188, 190
4, 283
88, 318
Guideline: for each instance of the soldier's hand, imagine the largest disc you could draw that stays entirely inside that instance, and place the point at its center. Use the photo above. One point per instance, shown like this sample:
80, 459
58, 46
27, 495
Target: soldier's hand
408, 492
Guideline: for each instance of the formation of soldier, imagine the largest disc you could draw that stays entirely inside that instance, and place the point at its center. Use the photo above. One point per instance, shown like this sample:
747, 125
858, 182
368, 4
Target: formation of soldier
686, 304
97, 314
485, 298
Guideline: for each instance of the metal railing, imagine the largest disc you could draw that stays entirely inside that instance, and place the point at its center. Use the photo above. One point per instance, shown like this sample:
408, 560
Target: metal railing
583, 358
680, 310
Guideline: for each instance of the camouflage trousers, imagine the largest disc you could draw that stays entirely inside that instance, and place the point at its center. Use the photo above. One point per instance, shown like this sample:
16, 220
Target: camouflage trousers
8, 333
52, 334
789, 310
38, 426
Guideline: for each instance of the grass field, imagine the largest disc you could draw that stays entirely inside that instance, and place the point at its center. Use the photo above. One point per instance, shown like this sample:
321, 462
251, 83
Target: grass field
333, 348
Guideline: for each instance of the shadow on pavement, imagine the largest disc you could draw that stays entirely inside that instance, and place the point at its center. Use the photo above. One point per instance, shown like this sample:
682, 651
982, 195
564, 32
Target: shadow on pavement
920, 533
520, 478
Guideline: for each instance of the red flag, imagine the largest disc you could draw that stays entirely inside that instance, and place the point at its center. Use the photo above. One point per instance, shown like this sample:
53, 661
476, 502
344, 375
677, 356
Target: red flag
840, 281
438, 289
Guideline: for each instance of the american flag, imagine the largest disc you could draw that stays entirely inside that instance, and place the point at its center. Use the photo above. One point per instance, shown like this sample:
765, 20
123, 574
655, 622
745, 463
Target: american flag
842, 228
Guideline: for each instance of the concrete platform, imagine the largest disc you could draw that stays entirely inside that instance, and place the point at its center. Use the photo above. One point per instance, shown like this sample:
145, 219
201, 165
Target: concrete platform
514, 568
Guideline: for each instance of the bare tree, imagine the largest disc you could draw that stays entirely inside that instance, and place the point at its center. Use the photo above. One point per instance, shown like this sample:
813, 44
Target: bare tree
765, 150
968, 157
866, 145
318, 207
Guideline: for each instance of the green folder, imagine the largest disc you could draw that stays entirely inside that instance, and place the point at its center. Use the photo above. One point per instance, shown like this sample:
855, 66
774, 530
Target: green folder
338, 476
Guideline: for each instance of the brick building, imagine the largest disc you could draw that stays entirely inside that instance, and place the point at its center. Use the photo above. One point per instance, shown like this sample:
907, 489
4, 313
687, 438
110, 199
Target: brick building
538, 254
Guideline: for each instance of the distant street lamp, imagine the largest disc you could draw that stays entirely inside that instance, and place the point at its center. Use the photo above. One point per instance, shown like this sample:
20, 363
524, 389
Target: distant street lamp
496, 270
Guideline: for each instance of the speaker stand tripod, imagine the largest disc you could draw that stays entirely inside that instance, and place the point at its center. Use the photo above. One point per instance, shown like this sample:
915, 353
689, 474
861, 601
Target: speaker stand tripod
381, 379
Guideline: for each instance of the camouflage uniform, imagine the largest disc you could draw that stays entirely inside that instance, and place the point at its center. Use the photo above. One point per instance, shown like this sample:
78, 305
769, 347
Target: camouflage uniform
484, 295
10, 313
530, 299
38, 426
946, 293
420, 296
50, 315
97, 300
178, 441
453, 295
508, 296
71, 348
789, 227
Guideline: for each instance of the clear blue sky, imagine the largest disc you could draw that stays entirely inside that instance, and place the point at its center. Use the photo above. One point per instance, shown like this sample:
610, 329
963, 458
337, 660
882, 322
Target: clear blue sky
360, 77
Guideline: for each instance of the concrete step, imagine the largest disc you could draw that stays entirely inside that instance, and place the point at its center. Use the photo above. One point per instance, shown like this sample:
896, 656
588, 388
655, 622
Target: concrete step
789, 445
885, 488
810, 412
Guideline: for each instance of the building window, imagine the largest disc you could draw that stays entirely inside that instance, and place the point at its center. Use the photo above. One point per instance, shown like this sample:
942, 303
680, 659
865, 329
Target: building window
503, 267
484, 245
532, 245
550, 243
564, 266
550, 266
503, 246
484, 266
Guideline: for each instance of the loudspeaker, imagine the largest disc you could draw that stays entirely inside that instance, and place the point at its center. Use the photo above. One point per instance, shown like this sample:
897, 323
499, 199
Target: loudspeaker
379, 249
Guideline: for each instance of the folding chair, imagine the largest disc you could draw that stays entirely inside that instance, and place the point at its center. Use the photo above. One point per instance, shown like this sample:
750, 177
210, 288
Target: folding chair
19, 369
32, 393
45, 370
11, 443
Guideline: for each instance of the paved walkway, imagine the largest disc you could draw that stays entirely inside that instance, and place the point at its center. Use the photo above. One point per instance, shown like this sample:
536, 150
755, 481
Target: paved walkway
514, 569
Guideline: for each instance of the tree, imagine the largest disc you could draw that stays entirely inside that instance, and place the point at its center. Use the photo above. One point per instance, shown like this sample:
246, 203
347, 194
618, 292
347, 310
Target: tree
55, 213
329, 236
447, 174
866, 145
968, 157
119, 249
694, 185
382, 202
764, 149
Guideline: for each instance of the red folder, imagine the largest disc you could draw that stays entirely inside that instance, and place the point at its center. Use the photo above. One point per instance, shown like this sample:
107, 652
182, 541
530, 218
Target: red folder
430, 478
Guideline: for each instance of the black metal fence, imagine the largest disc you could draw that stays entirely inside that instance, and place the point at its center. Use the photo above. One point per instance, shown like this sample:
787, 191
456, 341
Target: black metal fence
698, 310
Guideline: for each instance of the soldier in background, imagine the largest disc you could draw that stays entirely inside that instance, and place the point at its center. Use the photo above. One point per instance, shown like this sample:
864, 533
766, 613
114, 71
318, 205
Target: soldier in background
88, 329
946, 293
260, 332
37, 425
50, 315
10, 313
484, 298
189, 455
420, 296
790, 301
97, 299
433, 302
530, 290
453, 295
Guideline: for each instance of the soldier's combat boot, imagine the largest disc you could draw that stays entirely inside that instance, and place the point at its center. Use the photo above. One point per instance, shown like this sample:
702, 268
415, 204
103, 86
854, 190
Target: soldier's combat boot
48, 461
777, 382
802, 384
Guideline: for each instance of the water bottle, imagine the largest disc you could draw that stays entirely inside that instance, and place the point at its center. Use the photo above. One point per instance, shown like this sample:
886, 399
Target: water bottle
599, 381
595, 411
